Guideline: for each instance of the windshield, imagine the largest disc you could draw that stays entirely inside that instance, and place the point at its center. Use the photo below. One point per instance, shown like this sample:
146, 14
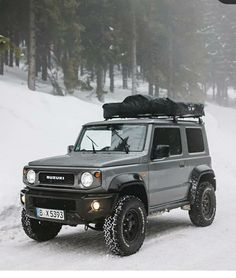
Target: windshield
112, 138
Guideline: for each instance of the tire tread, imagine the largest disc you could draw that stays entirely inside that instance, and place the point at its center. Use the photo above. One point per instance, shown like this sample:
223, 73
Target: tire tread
110, 226
195, 213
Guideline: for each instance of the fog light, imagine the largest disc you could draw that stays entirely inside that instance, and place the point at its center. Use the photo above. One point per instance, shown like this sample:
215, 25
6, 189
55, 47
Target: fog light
95, 205
23, 199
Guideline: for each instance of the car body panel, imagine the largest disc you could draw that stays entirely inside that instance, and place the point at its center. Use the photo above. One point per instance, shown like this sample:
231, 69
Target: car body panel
167, 181
90, 159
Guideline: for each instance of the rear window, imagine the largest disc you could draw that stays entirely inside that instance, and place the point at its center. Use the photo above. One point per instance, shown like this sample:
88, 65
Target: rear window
194, 140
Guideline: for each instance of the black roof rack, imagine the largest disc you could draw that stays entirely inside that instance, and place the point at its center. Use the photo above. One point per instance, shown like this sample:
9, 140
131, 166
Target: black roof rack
143, 106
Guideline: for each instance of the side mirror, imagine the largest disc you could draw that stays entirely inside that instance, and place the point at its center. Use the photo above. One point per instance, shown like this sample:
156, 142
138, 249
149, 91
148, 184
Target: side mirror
161, 151
70, 148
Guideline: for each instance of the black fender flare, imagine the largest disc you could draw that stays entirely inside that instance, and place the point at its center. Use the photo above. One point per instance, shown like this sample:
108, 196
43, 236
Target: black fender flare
124, 181
198, 173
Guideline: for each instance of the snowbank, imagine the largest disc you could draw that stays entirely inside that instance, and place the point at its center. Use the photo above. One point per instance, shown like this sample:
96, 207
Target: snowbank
35, 125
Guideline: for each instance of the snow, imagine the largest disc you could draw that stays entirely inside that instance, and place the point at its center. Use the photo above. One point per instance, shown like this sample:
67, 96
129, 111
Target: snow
35, 124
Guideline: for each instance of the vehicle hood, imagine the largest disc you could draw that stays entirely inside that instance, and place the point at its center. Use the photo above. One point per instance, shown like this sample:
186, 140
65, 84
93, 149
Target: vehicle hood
97, 160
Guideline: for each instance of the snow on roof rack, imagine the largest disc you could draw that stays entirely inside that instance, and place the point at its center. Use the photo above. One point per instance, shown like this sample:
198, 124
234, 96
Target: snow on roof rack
143, 106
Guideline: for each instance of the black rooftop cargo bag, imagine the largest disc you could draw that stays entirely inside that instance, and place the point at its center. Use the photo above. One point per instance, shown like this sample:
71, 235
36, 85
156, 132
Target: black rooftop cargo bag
138, 106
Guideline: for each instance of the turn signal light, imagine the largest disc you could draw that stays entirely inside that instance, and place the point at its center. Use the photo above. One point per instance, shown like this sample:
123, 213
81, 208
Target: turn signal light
23, 199
97, 174
24, 172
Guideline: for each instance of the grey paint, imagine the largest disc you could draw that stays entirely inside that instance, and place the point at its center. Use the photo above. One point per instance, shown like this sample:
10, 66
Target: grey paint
167, 181
80, 159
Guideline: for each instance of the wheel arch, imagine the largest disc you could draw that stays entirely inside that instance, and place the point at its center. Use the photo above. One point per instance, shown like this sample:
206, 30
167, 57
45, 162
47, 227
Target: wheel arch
130, 184
200, 174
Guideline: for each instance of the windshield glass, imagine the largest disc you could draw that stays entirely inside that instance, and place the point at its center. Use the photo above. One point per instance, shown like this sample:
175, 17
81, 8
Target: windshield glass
107, 138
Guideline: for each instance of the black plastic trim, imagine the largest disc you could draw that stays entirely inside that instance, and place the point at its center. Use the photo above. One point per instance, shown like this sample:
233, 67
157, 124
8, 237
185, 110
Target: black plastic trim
77, 213
197, 174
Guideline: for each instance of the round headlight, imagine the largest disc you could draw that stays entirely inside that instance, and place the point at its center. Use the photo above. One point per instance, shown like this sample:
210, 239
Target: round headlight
31, 176
86, 179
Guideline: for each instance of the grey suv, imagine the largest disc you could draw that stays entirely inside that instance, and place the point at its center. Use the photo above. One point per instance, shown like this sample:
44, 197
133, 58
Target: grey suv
118, 173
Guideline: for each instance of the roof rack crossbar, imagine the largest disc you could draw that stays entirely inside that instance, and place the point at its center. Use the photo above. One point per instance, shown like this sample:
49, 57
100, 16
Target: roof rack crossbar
174, 118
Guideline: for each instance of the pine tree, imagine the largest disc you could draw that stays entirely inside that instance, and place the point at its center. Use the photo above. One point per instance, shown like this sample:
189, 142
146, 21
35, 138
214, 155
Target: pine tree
32, 46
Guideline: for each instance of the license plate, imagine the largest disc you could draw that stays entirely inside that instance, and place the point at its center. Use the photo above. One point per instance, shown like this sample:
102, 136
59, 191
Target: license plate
50, 213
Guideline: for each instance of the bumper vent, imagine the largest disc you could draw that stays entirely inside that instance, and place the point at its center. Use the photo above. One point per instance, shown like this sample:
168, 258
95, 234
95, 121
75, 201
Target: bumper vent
54, 203
56, 179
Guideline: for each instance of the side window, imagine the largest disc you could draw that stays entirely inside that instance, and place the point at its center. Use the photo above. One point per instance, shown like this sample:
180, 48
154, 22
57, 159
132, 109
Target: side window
194, 140
168, 136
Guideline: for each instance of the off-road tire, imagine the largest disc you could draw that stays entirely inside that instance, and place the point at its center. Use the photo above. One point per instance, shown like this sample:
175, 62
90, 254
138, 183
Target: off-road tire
37, 229
202, 212
127, 220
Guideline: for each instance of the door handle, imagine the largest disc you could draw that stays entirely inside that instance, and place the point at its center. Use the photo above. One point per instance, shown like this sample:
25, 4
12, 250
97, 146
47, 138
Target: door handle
182, 165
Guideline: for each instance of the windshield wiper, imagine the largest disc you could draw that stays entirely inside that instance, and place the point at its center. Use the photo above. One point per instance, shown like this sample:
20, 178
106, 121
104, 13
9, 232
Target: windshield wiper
126, 145
93, 143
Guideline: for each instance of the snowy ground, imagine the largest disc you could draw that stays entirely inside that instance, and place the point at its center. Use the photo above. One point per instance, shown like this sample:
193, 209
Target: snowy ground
34, 125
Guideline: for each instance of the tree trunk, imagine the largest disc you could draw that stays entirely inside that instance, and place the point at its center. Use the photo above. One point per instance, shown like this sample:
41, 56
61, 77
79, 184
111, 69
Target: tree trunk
100, 83
38, 63
70, 70
81, 70
219, 93
170, 86
133, 48
32, 48
156, 89
11, 57
226, 96
214, 91
1, 64
125, 76
17, 58
6, 57
44, 64
92, 74
11, 53
150, 89
204, 88
104, 77
129, 72
142, 73
49, 59
111, 74
57, 89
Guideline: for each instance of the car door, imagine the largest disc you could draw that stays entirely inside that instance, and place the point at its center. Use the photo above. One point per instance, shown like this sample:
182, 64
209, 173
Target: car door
167, 177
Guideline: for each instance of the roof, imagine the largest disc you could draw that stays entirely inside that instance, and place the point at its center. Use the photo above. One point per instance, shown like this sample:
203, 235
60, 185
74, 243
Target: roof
147, 121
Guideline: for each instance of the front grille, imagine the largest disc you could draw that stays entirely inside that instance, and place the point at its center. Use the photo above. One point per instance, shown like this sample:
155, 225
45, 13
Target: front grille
54, 203
57, 179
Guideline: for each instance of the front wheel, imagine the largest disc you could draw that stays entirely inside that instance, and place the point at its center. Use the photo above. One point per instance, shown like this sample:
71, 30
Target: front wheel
37, 229
124, 230
203, 209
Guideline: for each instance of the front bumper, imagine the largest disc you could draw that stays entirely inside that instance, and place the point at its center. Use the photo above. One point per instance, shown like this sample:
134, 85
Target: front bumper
77, 206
